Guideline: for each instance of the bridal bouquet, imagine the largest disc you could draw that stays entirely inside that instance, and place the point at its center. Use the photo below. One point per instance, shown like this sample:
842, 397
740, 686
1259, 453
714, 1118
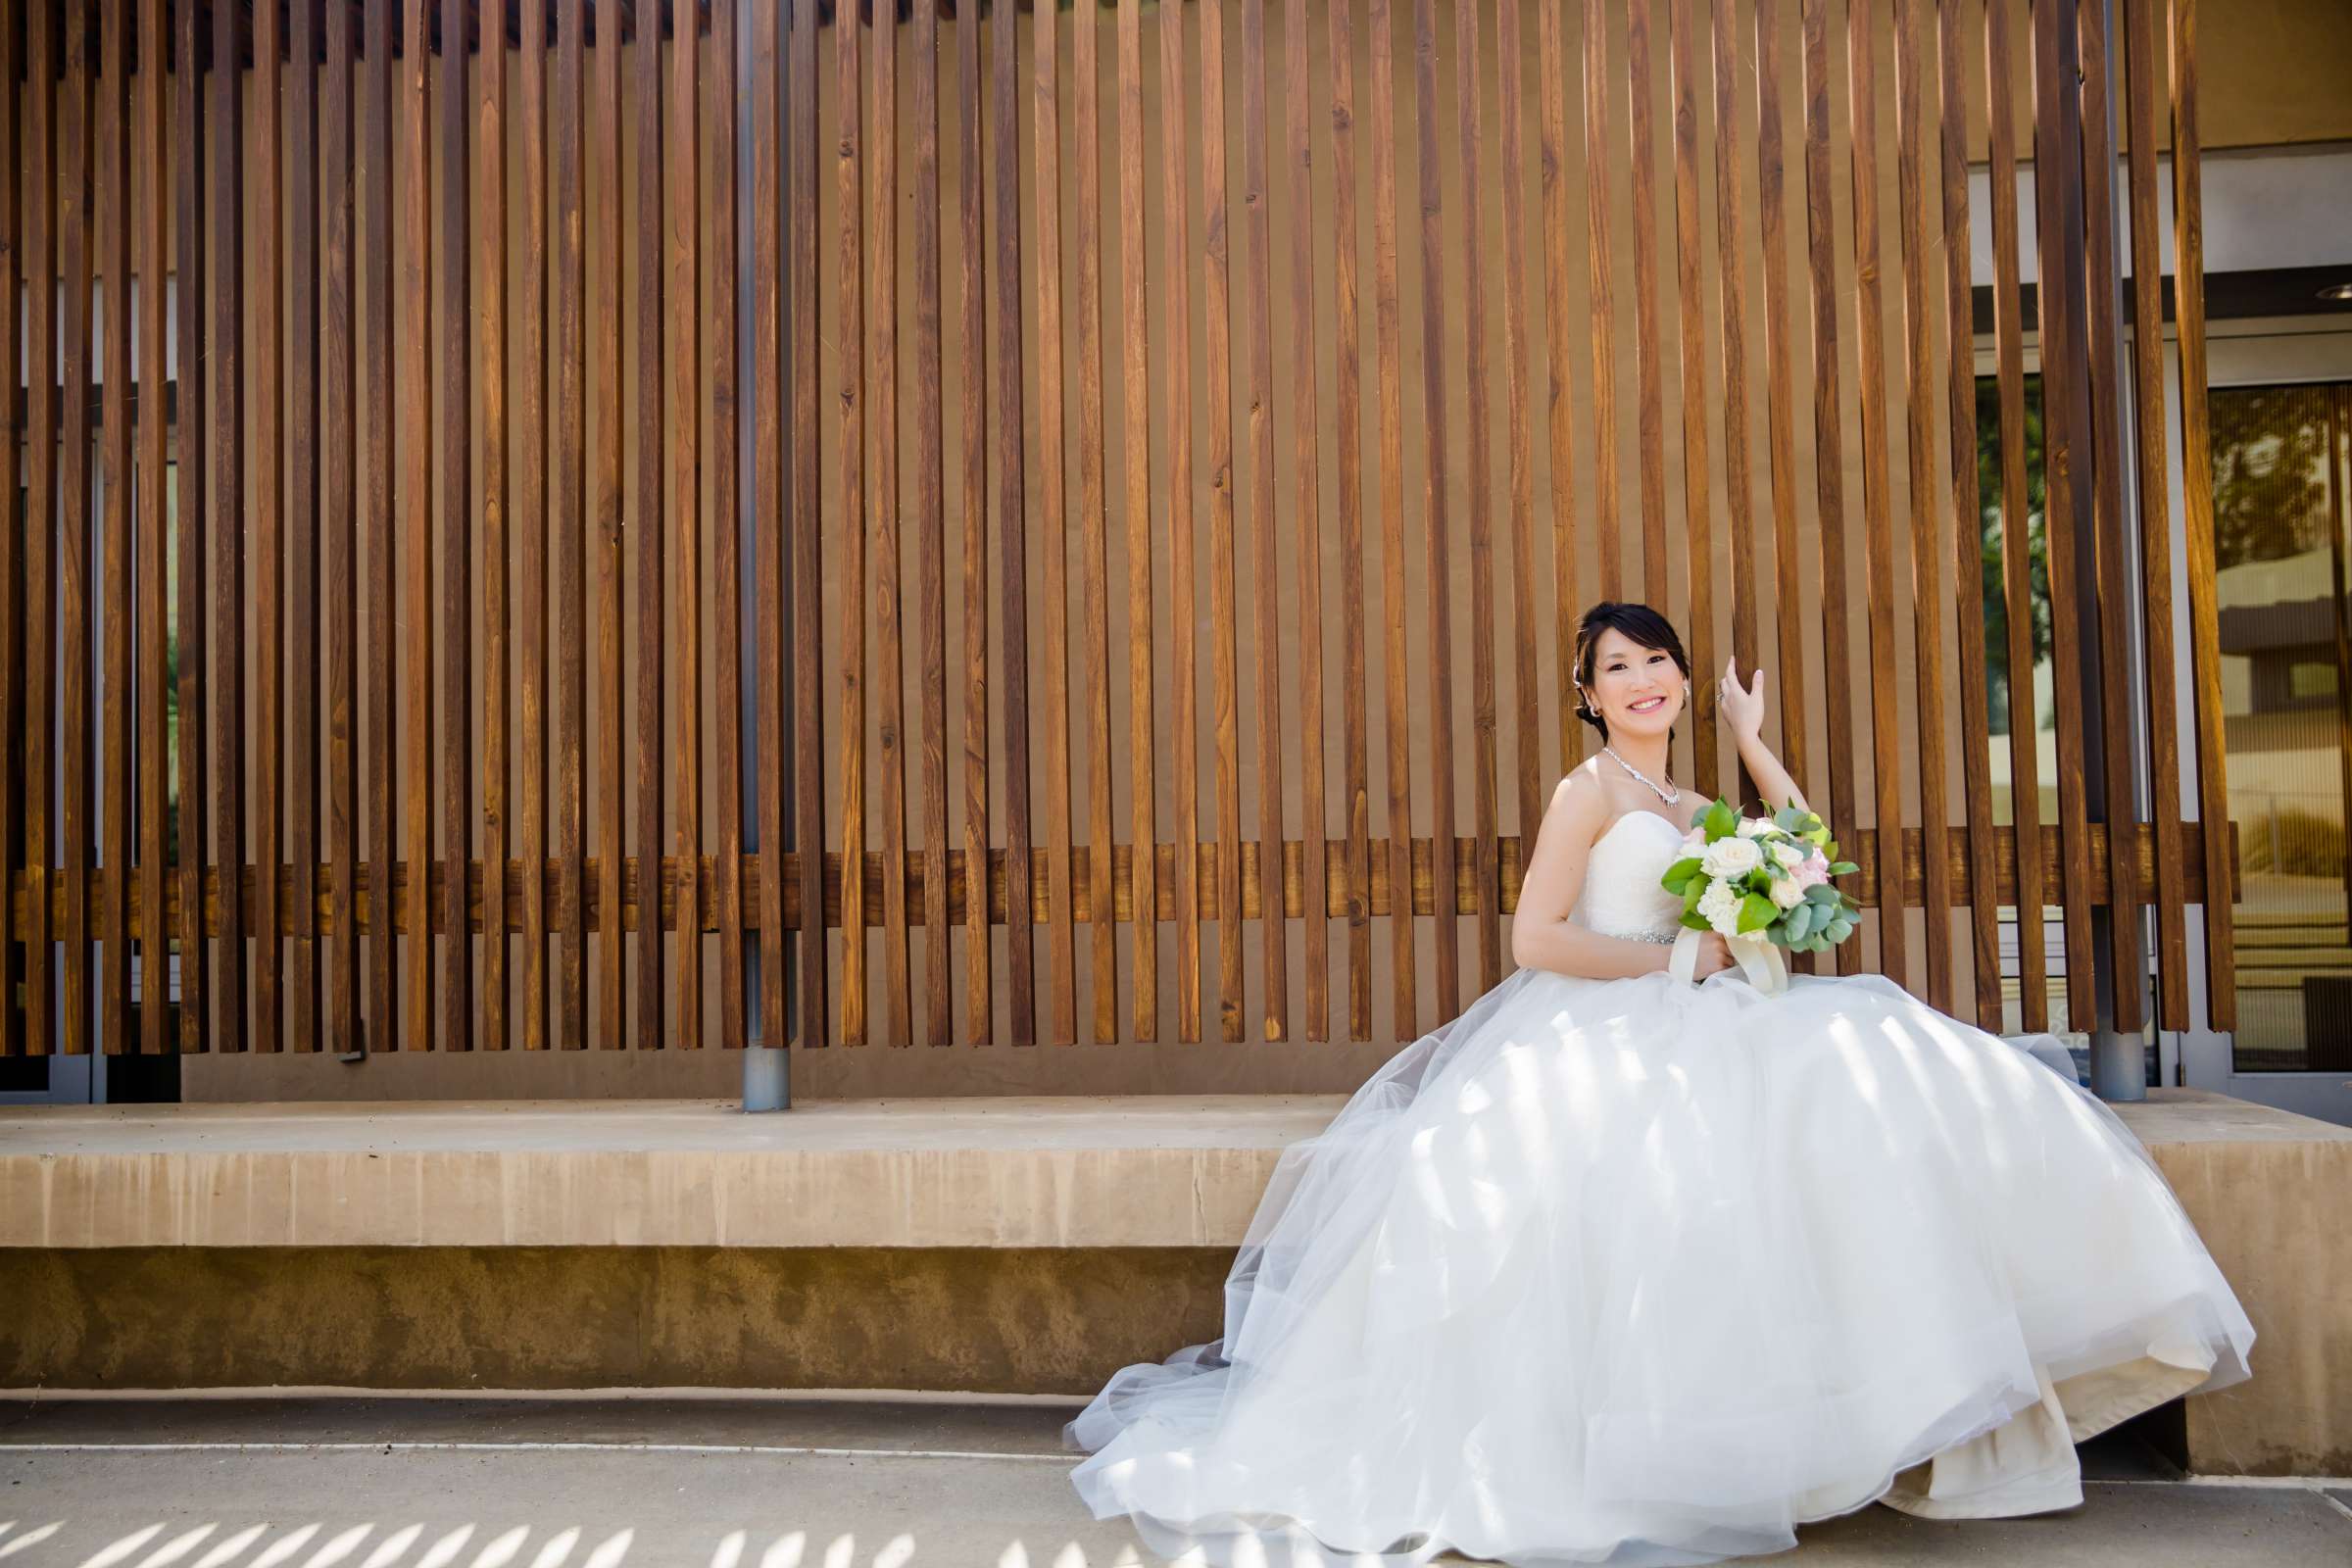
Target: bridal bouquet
1762, 882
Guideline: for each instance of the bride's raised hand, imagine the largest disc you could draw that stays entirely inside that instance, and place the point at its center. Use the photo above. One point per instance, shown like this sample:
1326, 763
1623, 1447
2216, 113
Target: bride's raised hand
1743, 706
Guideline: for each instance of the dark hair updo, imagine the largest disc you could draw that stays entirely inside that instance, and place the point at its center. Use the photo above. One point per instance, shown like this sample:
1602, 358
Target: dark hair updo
1642, 625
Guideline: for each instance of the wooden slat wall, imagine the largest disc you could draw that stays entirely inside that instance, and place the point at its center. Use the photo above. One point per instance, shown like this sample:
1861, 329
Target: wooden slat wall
538, 255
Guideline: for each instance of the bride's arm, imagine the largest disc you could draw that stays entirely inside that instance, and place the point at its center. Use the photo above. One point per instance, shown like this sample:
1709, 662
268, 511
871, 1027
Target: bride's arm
1543, 937
1743, 707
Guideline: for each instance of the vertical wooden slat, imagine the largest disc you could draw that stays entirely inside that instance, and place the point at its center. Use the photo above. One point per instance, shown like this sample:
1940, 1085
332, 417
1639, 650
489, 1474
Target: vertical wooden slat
530, 321
1698, 509
14, 540
1136, 441
1520, 473
852, 400
300, 531
645, 278
266, 520
115, 627
2196, 447
1877, 522
377, 516
74, 160
772, 507
2025, 790
1307, 528
154, 546
1746, 575
489, 310
1829, 437
1486, 859
2064, 418
972, 306
1348, 399
567, 780
1012, 503
1648, 375
1968, 580
681, 371
1926, 535
37, 200
1257, 197
883, 487
2129, 963
718, 217
188, 610
2155, 513
1389, 327
452, 513
1435, 475
605, 507
1223, 675
1086, 129
1183, 532
416, 621
341, 577
1559, 331
1600, 261
1779, 412
930, 521
809, 810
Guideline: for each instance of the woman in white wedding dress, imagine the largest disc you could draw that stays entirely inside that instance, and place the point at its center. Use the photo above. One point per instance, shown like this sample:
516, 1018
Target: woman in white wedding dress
1621, 1269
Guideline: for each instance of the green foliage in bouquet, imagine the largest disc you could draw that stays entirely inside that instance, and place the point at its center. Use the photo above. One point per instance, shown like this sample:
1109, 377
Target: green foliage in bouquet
1822, 917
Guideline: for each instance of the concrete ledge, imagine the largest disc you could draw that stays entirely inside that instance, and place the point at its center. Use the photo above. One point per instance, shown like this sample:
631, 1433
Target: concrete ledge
1071, 1171
1001, 1245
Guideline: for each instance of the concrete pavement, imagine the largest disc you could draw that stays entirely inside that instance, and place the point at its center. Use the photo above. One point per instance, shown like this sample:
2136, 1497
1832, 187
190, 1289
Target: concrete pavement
733, 1481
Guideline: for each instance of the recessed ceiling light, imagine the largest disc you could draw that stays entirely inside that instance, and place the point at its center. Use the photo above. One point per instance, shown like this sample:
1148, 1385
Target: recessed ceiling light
2338, 293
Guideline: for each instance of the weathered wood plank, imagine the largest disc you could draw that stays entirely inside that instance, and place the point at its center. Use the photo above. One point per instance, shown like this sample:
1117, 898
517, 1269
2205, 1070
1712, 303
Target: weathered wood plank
930, 521
2024, 787
188, 611
1223, 676
1388, 329
1919, 453
2196, 444
1348, 399
2148, 395
339, 532
531, 445
1829, 440
1435, 476
1877, 522
1968, 581
1485, 812
115, 627
1094, 544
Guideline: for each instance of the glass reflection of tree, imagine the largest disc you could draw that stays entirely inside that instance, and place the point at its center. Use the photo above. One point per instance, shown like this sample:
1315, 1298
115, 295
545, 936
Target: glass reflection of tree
2270, 459
1988, 510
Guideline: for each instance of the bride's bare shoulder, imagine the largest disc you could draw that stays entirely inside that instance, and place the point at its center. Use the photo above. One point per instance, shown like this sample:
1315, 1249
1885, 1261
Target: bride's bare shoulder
1581, 808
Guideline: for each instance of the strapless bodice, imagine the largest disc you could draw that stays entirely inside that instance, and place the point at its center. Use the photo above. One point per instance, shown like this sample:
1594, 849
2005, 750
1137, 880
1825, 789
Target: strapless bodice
1622, 896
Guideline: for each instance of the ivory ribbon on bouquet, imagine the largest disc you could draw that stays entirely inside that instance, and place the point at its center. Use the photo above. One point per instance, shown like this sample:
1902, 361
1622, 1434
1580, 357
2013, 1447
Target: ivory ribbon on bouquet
1764, 965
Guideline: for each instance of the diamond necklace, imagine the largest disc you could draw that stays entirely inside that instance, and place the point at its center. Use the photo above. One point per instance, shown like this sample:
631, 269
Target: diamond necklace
1643, 777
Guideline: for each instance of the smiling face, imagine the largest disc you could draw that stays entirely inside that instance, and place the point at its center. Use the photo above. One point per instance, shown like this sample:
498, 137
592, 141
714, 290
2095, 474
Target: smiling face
1637, 690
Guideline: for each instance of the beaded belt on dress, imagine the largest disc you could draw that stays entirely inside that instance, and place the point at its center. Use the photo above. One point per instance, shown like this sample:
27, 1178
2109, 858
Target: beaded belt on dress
1662, 938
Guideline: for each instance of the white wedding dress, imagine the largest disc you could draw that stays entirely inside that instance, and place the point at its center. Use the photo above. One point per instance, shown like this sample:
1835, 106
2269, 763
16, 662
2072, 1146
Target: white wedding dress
1644, 1272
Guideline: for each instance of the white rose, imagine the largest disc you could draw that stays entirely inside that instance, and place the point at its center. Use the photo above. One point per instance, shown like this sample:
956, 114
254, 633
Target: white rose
1787, 894
1756, 827
1732, 856
1719, 907
1787, 855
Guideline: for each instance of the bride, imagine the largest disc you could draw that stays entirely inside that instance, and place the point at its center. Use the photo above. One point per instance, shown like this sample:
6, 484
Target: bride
1617, 1268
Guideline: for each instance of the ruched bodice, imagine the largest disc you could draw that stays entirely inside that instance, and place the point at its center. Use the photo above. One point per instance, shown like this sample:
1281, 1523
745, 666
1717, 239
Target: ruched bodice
1621, 896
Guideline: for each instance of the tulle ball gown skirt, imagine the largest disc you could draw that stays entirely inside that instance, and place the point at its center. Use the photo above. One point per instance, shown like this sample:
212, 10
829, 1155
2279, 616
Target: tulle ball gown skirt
1641, 1272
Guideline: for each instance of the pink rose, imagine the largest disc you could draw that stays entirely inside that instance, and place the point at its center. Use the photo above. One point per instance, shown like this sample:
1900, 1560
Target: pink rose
1813, 871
